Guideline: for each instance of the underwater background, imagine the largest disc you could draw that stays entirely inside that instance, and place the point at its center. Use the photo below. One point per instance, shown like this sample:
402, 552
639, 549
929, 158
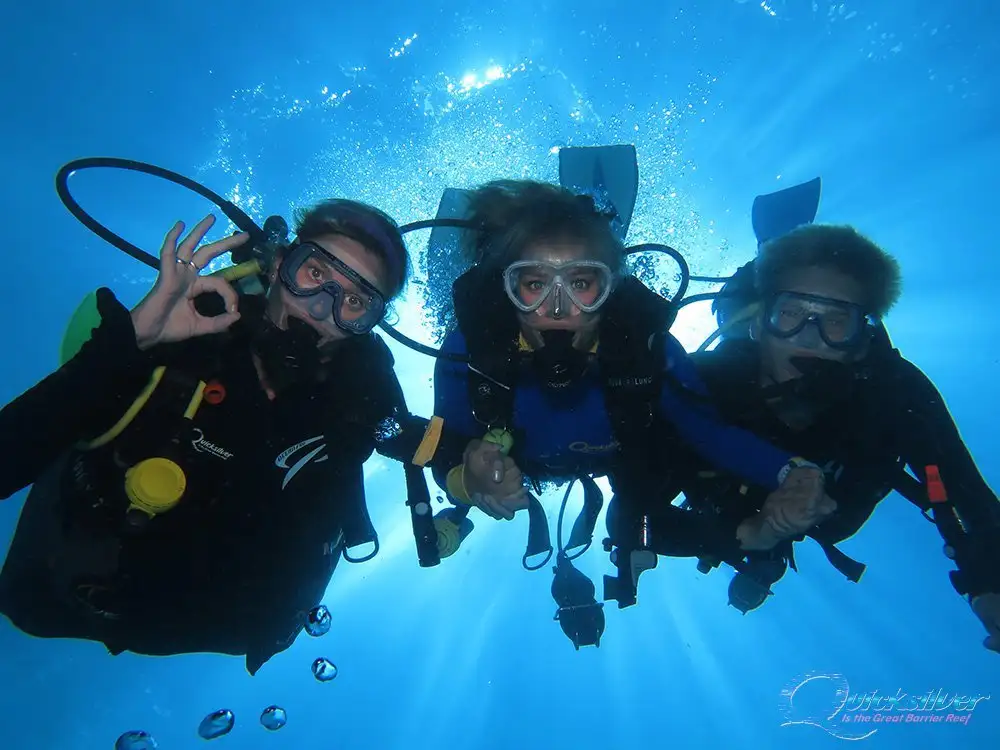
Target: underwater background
276, 105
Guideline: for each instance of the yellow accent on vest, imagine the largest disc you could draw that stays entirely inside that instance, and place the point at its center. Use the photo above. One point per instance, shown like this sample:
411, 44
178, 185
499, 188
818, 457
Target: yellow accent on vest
155, 485
455, 485
137, 406
501, 438
449, 536
130, 414
429, 444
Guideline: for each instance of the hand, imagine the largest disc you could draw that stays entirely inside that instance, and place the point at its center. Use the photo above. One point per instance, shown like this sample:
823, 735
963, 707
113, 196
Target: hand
503, 507
795, 507
987, 609
493, 481
799, 503
167, 314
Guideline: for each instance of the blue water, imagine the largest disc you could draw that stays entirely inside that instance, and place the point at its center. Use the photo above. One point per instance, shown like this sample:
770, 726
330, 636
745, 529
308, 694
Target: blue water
892, 103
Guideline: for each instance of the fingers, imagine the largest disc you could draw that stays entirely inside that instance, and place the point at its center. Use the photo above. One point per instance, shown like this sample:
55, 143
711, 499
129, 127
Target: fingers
482, 460
511, 480
205, 255
498, 470
498, 508
219, 323
479, 501
803, 479
503, 507
804, 474
488, 452
218, 285
488, 505
479, 454
777, 503
508, 505
517, 501
469, 452
186, 249
779, 522
168, 250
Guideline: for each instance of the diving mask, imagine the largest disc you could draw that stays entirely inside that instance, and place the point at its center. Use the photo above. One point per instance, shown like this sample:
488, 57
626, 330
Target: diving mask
329, 290
583, 283
807, 319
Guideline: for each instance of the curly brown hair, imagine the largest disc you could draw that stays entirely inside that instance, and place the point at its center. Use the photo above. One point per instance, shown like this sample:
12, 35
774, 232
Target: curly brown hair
510, 215
838, 247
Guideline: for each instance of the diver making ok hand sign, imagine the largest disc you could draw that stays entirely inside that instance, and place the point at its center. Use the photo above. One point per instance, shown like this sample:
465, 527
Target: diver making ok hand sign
168, 313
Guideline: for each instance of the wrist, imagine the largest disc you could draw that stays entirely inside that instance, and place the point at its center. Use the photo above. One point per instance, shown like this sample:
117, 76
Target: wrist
142, 324
796, 462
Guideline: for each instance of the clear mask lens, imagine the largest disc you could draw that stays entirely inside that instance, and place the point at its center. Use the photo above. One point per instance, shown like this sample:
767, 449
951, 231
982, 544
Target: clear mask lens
586, 284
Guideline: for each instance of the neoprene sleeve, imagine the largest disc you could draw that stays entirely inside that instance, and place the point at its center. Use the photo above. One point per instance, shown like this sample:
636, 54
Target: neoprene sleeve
81, 399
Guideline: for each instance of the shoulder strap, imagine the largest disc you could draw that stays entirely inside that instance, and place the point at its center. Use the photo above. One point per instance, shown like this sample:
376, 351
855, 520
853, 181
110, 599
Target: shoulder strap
634, 324
377, 397
631, 356
491, 337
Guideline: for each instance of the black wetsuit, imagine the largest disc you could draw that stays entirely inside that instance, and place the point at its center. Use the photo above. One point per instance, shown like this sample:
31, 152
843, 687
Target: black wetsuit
274, 493
868, 421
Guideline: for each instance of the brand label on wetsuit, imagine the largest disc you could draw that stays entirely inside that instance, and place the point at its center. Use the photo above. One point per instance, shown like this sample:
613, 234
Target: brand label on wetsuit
282, 461
630, 382
582, 446
202, 445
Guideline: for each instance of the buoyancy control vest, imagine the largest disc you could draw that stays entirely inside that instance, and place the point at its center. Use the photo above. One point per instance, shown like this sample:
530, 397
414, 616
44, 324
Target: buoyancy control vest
632, 332
634, 322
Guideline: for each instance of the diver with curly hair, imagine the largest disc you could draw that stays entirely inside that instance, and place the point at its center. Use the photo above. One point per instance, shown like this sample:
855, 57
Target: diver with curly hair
818, 376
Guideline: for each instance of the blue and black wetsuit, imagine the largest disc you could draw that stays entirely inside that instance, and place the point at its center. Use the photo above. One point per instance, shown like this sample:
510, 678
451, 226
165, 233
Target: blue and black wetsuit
574, 434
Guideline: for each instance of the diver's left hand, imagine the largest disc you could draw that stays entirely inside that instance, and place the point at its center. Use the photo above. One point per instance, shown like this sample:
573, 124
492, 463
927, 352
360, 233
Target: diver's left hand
499, 508
168, 314
987, 609
799, 503
488, 471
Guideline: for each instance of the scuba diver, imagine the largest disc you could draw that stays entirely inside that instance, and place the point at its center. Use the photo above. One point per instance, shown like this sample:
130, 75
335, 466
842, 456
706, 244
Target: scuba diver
197, 461
570, 369
816, 374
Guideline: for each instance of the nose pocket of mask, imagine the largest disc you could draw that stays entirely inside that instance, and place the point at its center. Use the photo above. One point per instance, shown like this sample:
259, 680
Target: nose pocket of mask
320, 306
